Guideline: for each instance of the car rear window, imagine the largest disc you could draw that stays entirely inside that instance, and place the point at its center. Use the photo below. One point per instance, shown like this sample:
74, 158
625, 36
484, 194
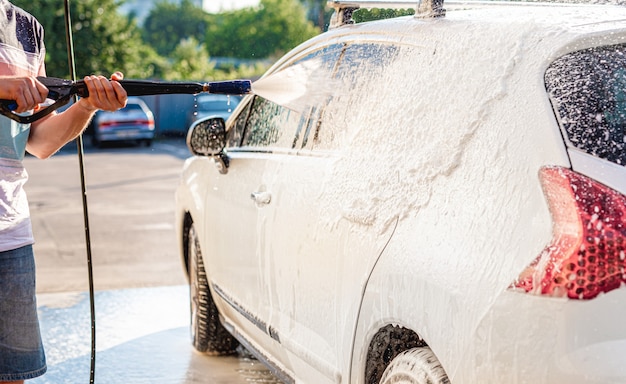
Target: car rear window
588, 91
132, 107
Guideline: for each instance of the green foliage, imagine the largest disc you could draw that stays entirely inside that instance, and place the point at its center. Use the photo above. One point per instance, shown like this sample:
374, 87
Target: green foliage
104, 40
174, 43
269, 30
190, 62
244, 71
362, 15
169, 23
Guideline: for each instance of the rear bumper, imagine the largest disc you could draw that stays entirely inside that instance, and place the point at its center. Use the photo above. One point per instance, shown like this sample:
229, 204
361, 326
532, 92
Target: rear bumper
533, 339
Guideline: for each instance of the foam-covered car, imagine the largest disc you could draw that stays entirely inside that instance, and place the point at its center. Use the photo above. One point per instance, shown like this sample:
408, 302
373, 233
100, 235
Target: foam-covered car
453, 211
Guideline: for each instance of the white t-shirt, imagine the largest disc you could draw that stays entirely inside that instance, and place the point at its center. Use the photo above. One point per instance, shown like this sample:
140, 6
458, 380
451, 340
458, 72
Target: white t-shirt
15, 226
22, 53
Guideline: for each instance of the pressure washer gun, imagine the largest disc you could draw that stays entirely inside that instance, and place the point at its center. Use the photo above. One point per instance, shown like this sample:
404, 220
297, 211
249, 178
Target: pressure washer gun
62, 90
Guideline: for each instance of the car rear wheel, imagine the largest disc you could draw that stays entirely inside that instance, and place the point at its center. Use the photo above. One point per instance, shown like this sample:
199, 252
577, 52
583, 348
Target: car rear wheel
207, 332
415, 366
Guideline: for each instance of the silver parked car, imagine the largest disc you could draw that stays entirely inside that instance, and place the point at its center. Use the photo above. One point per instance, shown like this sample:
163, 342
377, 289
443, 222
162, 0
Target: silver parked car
133, 123
452, 211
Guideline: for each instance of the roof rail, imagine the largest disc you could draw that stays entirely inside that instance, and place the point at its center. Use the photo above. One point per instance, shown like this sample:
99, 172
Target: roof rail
344, 8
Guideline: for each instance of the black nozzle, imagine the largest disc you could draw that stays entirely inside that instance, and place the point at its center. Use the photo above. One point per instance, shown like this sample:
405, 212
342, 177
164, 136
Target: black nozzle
233, 87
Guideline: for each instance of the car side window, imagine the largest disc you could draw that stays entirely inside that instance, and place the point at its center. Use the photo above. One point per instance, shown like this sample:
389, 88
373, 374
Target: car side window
272, 125
358, 63
263, 124
235, 133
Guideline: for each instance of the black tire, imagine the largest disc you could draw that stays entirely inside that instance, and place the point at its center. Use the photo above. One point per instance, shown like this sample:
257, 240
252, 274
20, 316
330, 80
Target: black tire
415, 366
208, 335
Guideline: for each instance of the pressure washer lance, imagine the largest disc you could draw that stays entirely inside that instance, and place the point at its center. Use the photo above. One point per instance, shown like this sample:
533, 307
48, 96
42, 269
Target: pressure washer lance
62, 90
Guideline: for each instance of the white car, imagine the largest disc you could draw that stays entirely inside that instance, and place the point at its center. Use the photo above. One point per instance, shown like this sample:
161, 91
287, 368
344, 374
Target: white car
454, 211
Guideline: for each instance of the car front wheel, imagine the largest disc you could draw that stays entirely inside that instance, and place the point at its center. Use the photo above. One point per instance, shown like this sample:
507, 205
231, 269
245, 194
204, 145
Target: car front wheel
415, 366
207, 332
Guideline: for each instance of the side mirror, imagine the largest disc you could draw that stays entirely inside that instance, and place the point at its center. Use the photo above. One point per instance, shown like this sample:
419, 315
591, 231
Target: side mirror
207, 137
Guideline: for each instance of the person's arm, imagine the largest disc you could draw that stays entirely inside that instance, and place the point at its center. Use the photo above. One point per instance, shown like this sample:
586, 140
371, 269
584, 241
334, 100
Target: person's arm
51, 133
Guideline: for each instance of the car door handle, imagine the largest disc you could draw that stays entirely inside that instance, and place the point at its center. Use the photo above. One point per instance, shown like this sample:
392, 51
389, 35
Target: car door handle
261, 198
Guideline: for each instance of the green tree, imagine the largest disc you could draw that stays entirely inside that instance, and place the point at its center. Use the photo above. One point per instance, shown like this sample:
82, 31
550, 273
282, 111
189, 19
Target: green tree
169, 23
363, 14
190, 61
270, 29
104, 40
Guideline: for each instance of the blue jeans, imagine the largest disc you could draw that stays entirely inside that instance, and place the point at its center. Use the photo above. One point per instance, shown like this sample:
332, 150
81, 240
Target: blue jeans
21, 350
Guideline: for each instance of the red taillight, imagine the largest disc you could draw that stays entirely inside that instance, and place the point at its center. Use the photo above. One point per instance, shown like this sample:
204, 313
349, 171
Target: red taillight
149, 123
586, 256
114, 123
107, 124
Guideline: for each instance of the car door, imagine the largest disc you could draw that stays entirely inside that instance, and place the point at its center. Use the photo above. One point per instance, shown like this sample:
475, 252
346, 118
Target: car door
319, 245
263, 138
261, 132
230, 225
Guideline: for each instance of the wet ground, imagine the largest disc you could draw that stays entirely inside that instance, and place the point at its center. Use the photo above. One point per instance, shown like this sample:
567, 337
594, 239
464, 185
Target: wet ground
142, 336
142, 303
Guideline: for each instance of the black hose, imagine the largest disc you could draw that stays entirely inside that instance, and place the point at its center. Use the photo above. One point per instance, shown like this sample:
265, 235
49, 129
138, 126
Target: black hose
79, 144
